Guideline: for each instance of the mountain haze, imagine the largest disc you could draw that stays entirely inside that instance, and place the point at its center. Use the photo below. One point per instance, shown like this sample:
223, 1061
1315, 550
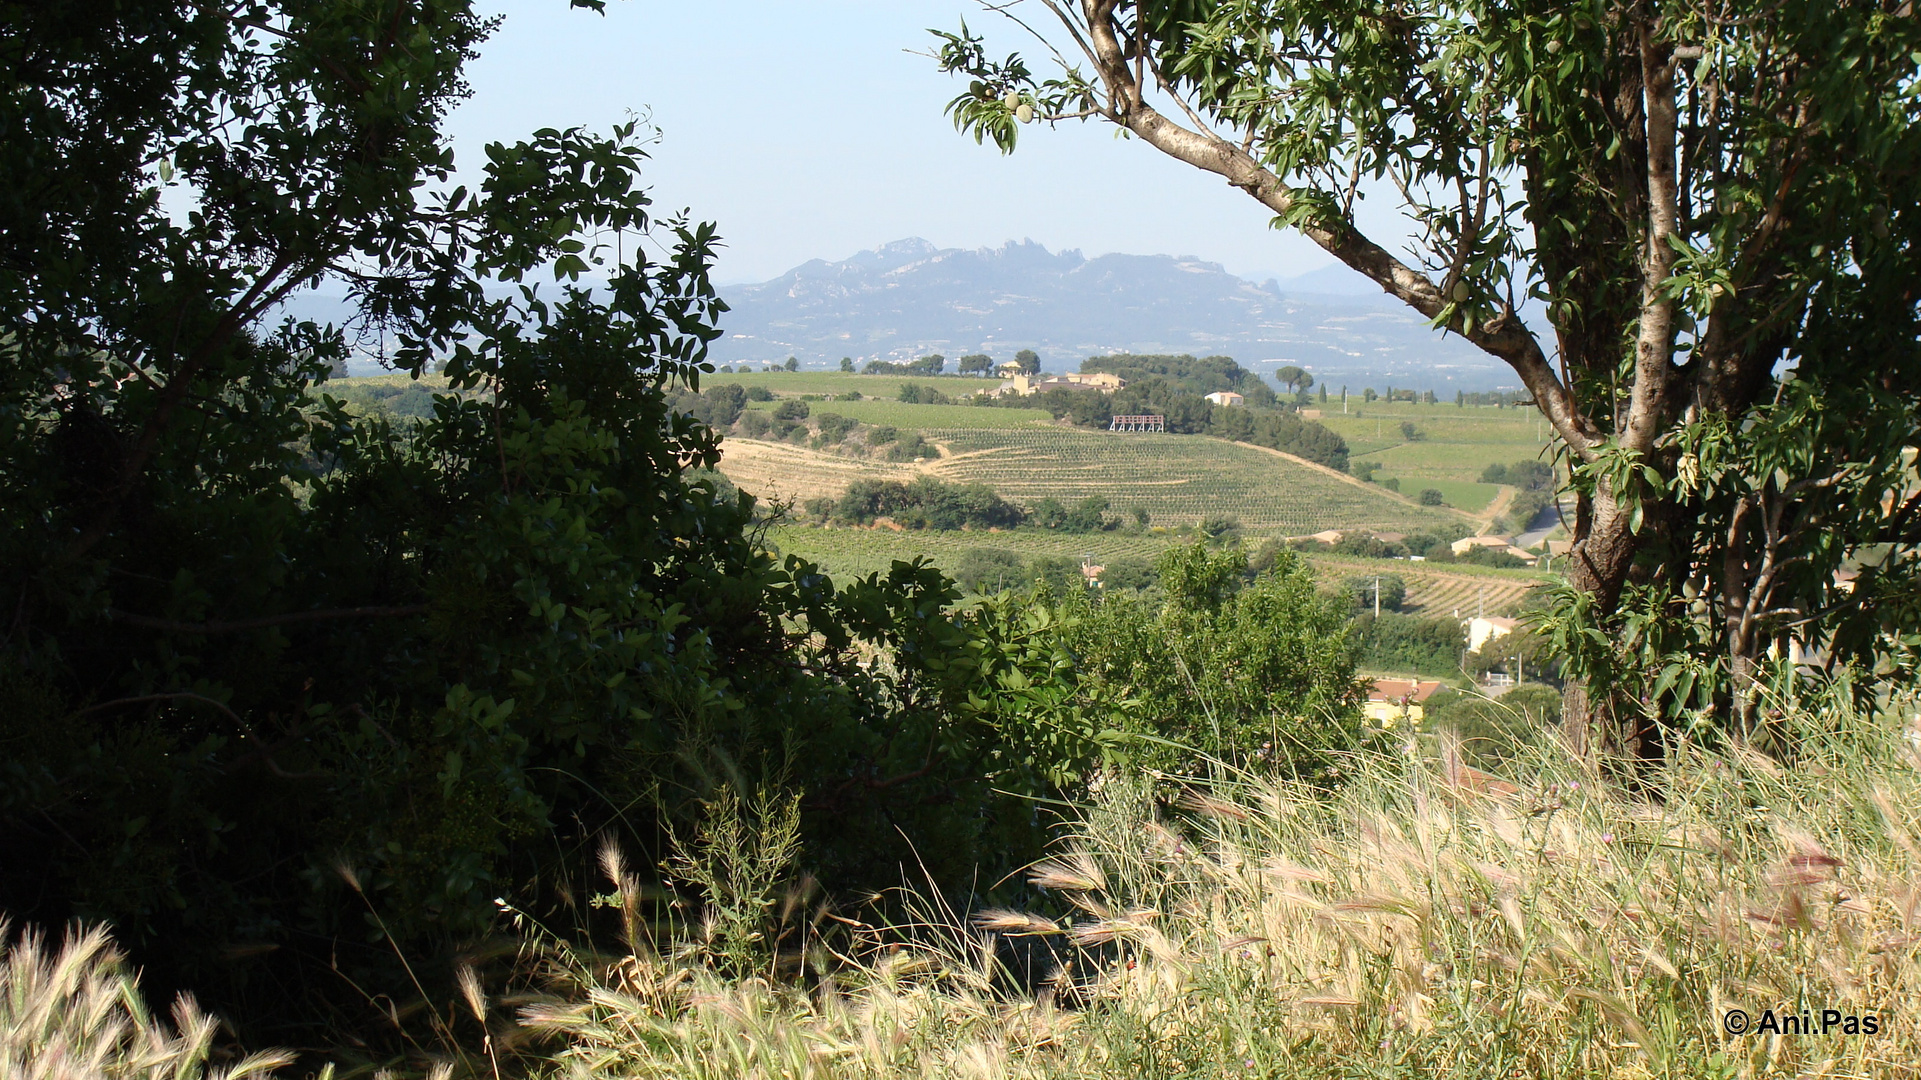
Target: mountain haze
910, 298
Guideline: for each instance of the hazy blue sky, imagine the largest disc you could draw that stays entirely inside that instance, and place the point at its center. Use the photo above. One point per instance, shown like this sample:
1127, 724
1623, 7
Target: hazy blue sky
805, 130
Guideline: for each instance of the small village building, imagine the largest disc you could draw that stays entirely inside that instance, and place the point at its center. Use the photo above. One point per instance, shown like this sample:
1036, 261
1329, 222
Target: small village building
1480, 631
1022, 385
1226, 397
1499, 544
1392, 701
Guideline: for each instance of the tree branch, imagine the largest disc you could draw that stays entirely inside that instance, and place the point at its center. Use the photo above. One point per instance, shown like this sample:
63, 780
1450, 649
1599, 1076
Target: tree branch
236, 626
1504, 337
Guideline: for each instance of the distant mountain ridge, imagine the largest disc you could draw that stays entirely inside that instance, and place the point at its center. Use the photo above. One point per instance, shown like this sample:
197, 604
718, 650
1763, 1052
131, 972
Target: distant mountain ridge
909, 298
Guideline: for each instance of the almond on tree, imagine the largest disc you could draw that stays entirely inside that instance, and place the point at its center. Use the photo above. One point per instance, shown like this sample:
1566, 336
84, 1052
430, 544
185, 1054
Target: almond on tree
1711, 209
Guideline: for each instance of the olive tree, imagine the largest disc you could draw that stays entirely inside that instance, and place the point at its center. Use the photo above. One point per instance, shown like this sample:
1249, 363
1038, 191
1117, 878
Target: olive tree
1713, 205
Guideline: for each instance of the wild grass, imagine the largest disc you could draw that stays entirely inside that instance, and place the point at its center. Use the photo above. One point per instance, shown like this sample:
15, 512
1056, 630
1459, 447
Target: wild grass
1423, 921
77, 1014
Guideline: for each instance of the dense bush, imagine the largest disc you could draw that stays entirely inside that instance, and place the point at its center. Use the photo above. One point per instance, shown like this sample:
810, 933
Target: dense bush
1389, 589
911, 447
1491, 732
717, 406
1258, 673
833, 426
1084, 516
1396, 642
990, 570
292, 692
927, 503
917, 394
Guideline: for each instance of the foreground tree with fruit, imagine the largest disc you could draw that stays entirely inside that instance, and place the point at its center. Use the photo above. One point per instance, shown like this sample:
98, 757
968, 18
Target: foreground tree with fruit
1712, 207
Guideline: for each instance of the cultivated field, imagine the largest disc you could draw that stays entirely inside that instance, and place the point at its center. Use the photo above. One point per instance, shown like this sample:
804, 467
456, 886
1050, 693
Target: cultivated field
1434, 590
1177, 479
1453, 446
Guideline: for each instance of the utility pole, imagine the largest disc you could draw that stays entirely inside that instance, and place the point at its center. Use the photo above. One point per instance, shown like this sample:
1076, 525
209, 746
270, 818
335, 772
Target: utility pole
1377, 596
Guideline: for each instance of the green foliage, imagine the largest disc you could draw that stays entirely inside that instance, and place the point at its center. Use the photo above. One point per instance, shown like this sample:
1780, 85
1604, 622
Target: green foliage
1431, 497
833, 426
1029, 361
990, 570
1159, 386
1260, 674
917, 394
1714, 211
295, 690
926, 365
759, 393
1492, 732
912, 446
1408, 643
1361, 591
791, 410
754, 424
927, 503
976, 364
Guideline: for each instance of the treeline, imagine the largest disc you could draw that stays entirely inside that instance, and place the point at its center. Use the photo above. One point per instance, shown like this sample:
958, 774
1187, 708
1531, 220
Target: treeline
925, 503
1172, 386
928, 503
1185, 374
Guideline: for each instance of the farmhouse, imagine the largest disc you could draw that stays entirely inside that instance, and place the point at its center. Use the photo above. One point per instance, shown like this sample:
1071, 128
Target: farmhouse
1389, 701
1226, 397
1500, 544
1480, 631
1023, 385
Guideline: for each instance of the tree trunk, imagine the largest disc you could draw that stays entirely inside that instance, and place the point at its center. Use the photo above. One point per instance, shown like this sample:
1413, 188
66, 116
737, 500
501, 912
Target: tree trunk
1603, 554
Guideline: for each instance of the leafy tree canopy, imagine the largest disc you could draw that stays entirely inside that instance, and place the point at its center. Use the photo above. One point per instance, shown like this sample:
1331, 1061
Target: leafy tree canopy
1700, 199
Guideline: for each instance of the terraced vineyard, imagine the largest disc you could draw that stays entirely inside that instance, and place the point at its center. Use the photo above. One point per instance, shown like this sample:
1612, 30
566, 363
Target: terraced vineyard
1440, 589
1177, 479
851, 552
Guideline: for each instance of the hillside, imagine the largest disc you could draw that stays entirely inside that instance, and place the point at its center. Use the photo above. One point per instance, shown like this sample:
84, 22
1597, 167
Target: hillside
1177, 479
909, 298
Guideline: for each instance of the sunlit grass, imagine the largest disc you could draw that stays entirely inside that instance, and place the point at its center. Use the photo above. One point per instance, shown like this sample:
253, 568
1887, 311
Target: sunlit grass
1425, 921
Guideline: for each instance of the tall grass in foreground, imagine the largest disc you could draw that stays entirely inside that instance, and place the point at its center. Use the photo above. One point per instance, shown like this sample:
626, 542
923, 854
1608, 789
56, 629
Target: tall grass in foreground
1422, 922
77, 1014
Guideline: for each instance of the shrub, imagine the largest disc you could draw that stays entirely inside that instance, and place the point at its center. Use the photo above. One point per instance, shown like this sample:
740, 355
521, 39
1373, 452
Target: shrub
1361, 591
1430, 497
759, 393
988, 570
1364, 470
833, 426
911, 447
929, 502
1257, 674
882, 435
1396, 642
1129, 573
1494, 474
791, 410
754, 423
